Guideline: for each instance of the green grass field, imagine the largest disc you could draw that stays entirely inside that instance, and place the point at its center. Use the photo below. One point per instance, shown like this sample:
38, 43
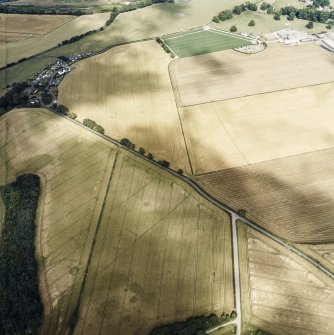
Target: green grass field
199, 42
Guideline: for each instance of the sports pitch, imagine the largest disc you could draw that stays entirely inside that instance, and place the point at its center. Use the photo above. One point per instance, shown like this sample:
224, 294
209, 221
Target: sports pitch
202, 41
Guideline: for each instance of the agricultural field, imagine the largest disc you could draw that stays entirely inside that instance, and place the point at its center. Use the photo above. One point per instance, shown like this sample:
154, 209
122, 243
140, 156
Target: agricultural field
202, 41
291, 197
154, 244
252, 147
32, 24
324, 253
258, 128
28, 47
15, 27
74, 166
149, 22
229, 74
161, 255
130, 97
264, 23
281, 292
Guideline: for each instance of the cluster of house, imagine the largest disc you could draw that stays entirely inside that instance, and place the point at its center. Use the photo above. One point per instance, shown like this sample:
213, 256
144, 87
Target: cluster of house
48, 80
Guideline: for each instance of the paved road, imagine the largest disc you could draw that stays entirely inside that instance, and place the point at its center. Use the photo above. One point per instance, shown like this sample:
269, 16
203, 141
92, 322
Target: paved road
234, 217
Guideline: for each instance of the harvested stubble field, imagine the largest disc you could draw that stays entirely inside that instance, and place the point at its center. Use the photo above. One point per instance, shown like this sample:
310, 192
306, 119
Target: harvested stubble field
127, 90
291, 197
281, 292
324, 253
156, 20
201, 41
270, 154
28, 47
161, 255
161, 252
230, 74
74, 166
245, 131
31, 24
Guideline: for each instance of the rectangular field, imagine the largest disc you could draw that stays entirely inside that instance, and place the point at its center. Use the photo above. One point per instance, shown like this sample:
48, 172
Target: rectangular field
127, 91
229, 74
243, 131
286, 295
201, 41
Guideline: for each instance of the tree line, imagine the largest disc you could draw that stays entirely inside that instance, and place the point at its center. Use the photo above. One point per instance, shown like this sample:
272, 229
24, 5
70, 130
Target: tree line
21, 309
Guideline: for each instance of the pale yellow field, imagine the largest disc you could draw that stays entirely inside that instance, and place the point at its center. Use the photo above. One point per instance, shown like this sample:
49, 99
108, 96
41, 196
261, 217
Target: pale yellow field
161, 252
231, 74
74, 166
33, 24
28, 47
254, 129
161, 255
127, 91
285, 295
292, 197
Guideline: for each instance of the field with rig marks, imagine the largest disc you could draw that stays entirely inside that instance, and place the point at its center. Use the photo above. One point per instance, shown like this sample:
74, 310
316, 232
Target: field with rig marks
285, 294
74, 166
127, 91
291, 197
161, 255
230, 74
146, 219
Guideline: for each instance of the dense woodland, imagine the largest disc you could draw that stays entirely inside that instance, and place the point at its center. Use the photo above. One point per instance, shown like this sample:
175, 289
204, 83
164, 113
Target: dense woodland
20, 307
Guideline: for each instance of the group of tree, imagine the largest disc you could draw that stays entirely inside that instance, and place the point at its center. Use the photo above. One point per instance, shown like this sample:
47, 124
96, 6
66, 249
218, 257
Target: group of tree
14, 97
93, 125
38, 10
21, 309
61, 109
193, 326
308, 13
164, 46
237, 10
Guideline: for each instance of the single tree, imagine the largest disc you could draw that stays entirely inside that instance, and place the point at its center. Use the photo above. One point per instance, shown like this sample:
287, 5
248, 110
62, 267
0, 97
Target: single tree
309, 25
233, 29
141, 151
251, 23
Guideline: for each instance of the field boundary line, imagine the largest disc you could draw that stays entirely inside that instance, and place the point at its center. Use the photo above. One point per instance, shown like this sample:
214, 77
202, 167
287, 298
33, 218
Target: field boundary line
255, 94
83, 283
177, 96
265, 161
185, 34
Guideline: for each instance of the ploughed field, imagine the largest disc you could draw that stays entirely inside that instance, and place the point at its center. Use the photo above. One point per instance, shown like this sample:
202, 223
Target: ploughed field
153, 250
282, 293
127, 91
229, 74
202, 41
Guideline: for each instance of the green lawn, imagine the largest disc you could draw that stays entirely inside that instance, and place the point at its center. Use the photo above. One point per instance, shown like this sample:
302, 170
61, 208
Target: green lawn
200, 42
